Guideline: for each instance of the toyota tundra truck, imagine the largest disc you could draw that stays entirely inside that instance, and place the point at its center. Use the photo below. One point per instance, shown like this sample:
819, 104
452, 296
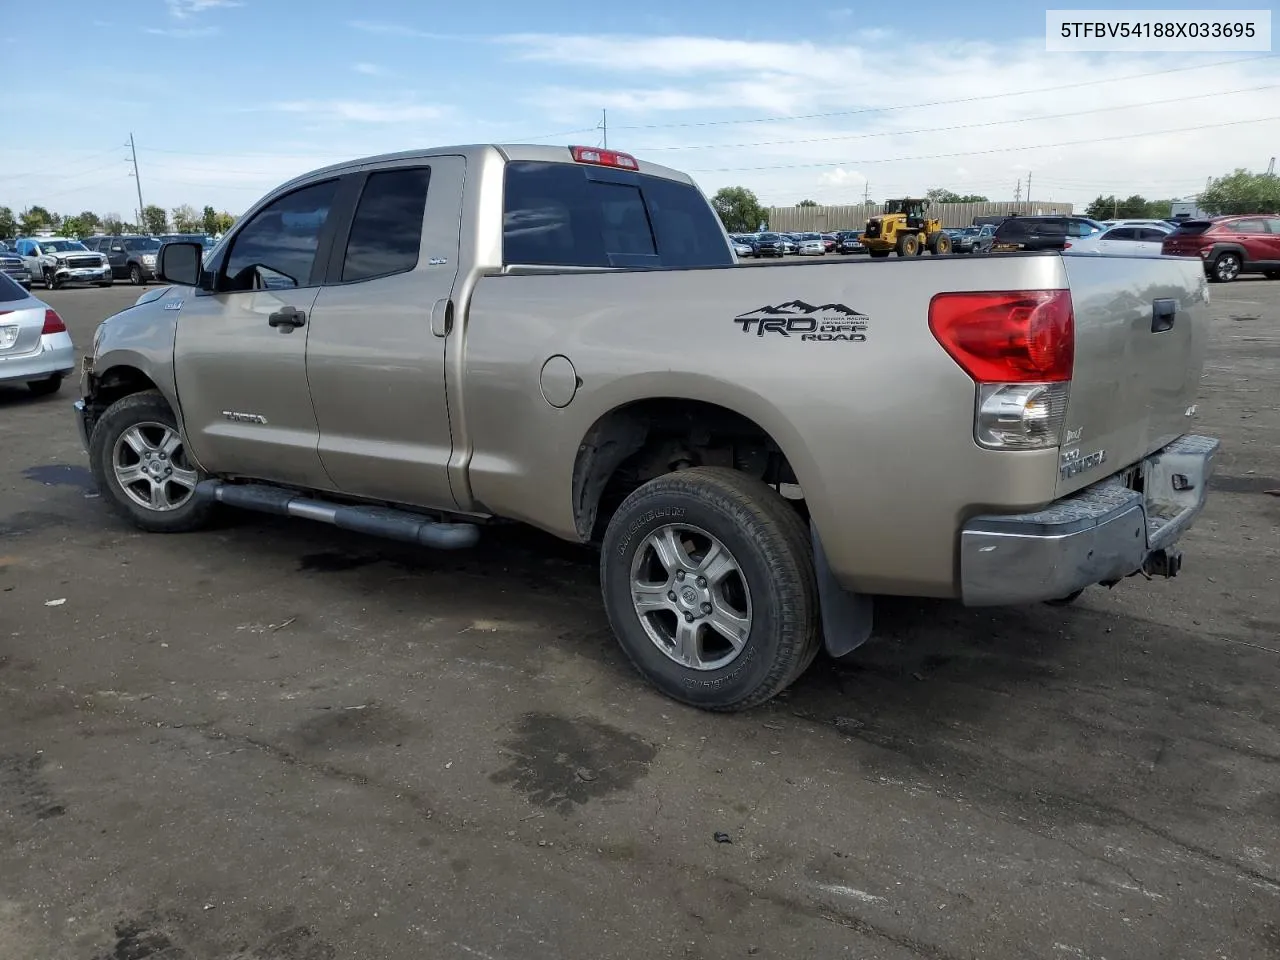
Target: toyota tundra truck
424, 344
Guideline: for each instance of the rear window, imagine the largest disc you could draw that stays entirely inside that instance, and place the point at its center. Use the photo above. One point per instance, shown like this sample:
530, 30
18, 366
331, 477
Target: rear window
1193, 228
10, 291
569, 215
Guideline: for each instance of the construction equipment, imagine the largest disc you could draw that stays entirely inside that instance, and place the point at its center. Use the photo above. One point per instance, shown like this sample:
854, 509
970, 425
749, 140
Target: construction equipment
905, 228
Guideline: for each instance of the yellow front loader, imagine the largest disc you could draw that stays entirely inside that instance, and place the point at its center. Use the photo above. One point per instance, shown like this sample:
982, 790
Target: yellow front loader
905, 228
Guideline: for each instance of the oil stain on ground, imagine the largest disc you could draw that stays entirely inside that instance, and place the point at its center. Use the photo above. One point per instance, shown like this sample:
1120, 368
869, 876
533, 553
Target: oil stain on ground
333, 561
360, 726
560, 763
62, 475
22, 788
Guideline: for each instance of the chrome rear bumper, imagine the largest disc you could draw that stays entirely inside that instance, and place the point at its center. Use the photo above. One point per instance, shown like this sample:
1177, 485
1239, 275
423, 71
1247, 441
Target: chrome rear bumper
1099, 535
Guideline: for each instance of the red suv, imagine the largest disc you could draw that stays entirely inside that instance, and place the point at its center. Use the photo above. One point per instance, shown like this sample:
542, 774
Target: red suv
1229, 246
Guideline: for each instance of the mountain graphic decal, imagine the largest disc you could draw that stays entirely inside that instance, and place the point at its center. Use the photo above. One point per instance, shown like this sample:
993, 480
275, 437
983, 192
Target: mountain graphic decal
828, 323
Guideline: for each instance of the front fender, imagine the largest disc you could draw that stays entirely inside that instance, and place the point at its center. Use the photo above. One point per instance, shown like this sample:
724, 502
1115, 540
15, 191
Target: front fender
140, 338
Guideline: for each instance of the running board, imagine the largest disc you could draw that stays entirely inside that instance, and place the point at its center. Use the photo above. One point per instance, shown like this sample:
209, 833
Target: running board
384, 522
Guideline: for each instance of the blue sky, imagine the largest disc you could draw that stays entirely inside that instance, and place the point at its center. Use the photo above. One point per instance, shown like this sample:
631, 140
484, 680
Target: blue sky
227, 99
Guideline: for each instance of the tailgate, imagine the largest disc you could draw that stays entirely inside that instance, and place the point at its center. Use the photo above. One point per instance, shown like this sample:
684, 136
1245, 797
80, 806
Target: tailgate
1141, 325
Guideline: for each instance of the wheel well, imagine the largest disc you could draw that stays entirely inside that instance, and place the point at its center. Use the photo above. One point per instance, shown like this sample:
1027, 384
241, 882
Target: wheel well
115, 384
639, 441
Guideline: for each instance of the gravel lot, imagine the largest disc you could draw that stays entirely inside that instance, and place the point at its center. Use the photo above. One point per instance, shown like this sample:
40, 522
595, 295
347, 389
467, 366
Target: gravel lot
274, 741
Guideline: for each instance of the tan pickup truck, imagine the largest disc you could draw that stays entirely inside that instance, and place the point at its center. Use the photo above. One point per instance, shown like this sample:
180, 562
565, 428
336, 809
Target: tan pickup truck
417, 345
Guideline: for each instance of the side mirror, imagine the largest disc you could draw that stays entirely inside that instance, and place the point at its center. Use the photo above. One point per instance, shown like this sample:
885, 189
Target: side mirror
179, 263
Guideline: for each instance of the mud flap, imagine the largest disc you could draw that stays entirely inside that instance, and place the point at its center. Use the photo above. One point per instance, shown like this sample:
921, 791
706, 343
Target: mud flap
846, 616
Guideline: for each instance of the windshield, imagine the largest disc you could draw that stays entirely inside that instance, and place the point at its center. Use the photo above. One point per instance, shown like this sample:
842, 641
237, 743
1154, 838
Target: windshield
810, 236
143, 244
61, 246
768, 236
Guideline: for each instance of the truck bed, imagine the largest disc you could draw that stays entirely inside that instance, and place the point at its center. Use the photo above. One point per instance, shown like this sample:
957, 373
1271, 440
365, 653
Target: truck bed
836, 362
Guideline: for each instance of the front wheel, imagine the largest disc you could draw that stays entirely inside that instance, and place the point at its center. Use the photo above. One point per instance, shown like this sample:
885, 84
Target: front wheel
135, 275
50, 280
1226, 267
708, 581
140, 463
908, 245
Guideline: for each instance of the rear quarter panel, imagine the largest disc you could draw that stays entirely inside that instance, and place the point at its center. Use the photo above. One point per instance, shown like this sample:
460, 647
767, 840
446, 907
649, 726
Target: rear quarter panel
879, 432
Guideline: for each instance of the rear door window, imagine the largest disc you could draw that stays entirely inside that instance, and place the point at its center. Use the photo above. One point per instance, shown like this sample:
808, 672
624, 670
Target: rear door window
569, 215
1249, 226
386, 232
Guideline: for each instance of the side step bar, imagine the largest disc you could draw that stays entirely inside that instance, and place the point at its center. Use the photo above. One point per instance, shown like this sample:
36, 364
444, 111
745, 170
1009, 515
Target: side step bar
376, 521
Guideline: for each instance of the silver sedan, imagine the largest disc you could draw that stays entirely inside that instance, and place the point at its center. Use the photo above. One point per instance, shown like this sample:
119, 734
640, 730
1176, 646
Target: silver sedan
35, 347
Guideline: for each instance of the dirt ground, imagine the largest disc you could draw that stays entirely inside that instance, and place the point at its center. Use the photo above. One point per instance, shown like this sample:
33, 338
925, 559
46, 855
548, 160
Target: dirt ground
274, 741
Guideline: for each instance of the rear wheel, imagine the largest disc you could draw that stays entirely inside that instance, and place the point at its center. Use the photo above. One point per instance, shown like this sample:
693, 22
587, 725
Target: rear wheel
1226, 267
708, 581
139, 460
940, 244
46, 387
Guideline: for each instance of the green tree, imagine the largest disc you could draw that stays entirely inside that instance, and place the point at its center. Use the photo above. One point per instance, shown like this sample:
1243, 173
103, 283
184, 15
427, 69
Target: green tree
807, 203
225, 222
154, 219
36, 218
185, 219
81, 225
209, 220
112, 224
1134, 207
942, 195
739, 209
8, 223
1242, 192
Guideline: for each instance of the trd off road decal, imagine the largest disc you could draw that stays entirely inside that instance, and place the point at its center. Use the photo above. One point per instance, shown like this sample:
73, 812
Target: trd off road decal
831, 322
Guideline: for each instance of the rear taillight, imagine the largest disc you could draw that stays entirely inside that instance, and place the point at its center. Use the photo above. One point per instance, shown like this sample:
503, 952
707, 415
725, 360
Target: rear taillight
1019, 348
1067, 245
52, 323
605, 158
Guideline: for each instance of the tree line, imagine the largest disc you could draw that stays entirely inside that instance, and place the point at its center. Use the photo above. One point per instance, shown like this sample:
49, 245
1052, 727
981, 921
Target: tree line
1240, 191
155, 219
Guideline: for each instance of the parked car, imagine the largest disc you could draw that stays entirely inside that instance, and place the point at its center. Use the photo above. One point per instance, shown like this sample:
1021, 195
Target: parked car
35, 347
849, 241
743, 250
1124, 241
15, 268
704, 426
59, 260
132, 256
205, 241
1230, 246
829, 242
1041, 233
972, 239
811, 245
771, 245
745, 244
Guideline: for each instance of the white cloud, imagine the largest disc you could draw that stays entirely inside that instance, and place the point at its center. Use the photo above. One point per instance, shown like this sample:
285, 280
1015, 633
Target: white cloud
188, 8
369, 69
386, 29
183, 33
968, 123
362, 111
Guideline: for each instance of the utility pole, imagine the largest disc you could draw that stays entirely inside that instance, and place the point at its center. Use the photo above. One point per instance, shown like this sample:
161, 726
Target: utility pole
604, 127
1271, 167
137, 179
1017, 191
1115, 207
866, 192
1028, 186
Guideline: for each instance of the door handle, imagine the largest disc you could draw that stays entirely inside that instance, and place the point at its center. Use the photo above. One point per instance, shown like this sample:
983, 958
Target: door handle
1163, 314
442, 317
287, 318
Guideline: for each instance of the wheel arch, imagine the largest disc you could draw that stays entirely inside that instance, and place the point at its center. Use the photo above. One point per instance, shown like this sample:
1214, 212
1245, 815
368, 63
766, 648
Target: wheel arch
647, 425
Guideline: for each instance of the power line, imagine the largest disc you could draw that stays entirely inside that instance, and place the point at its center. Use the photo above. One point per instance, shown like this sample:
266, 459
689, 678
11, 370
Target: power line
940, 103
959, 126
971, 153
54, 173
